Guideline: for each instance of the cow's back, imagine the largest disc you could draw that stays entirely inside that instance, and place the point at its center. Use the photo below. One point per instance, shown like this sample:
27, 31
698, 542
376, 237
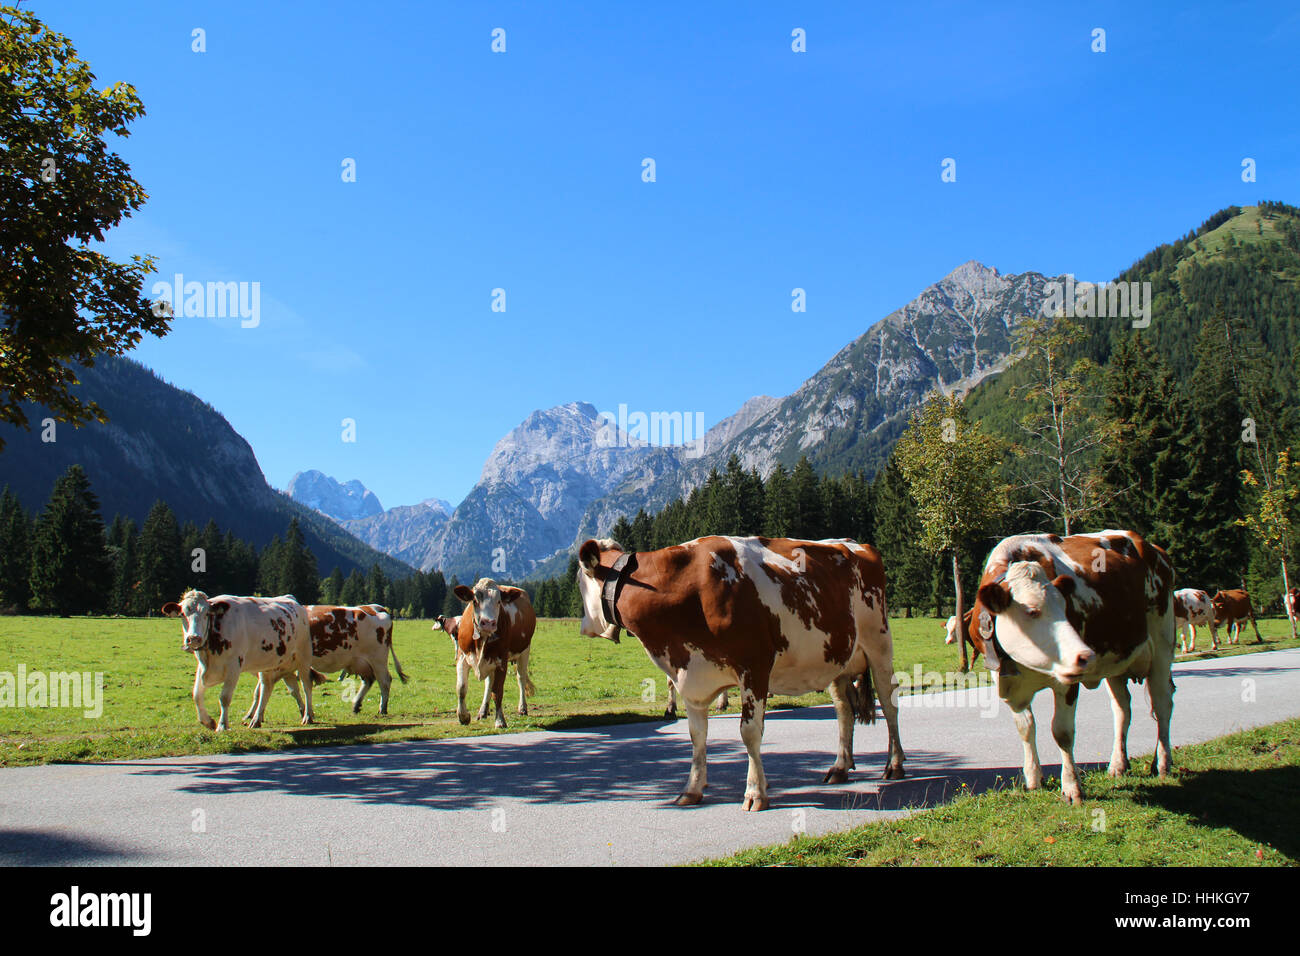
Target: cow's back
259, 634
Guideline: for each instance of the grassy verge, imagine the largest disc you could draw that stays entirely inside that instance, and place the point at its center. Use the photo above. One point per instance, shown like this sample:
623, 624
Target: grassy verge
147, 711
1232, 801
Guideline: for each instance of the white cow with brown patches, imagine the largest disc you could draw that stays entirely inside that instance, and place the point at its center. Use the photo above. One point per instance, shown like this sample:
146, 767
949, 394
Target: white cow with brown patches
231, 635
766, 615
1057, 613
1193, 607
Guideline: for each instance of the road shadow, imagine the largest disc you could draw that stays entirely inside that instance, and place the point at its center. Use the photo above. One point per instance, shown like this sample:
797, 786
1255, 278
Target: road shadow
625, 762
49, 848
1231, 671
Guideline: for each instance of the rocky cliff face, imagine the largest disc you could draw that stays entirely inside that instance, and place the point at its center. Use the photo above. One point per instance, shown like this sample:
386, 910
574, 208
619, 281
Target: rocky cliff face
345, 501
553, 481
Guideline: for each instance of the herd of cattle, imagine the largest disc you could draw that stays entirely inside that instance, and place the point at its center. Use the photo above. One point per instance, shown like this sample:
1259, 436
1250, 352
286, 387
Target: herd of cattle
767, 616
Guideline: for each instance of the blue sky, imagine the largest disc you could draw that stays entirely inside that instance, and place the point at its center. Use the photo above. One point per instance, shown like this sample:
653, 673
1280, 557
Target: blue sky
479, 170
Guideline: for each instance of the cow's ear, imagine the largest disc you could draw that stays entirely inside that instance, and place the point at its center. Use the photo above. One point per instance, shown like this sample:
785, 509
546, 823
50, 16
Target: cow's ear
1064, 583
996, 597
464, 593
589, 555
509, 595
171, 609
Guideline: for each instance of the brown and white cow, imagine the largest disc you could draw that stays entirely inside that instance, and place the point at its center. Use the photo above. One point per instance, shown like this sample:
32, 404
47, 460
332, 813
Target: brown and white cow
1291, 603
231, 635
495, 630
1193, 607
1058, 612
950, 631
1231, 608
354, 640
770, 616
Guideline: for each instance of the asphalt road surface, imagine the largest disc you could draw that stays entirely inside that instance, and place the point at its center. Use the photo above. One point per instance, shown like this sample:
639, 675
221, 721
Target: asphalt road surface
595, 796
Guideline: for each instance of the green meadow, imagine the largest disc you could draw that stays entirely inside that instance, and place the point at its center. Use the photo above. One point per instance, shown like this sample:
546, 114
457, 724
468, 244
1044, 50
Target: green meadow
1231, 801
147, 680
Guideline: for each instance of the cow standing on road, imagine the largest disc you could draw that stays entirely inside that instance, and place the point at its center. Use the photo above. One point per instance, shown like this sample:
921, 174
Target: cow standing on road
495, 630
231, 635
767, 615
1058, 612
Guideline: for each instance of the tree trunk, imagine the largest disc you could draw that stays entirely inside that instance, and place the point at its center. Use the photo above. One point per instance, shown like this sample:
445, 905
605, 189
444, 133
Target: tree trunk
961, 627
1286, 604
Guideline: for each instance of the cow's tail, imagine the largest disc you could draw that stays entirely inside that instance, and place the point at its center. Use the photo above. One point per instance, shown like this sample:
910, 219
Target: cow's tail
396, 663
529, 689
866, 698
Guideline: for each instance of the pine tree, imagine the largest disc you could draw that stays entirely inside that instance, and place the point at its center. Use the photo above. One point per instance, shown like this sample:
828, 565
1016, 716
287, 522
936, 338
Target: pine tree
333, 588
778, 504
15, 553
909, 568
1209, 549
123, 545
164, 568
299, 575
805, 495
71, 572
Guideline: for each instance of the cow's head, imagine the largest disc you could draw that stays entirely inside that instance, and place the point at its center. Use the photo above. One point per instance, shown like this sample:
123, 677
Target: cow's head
449, 624
952, 630
489, 601
594, 560
195, 611
1031, 624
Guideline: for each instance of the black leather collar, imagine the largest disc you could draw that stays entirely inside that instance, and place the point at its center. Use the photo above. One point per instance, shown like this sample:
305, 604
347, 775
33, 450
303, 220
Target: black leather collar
615, 578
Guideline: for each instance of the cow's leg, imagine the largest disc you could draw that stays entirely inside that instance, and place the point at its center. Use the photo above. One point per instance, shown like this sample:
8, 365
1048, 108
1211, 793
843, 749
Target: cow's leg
1121, 706
521, 675
291, 682
385, 679
1063, 734
1028, 733
462, 682
722, 701
487, 696
1160, 684
304, 675
753, 706
204, 719
252, 708
1214, 636
671, 712
263, 697
841, 691
366, 684
227, 695
697, 718
882, 670
498, 691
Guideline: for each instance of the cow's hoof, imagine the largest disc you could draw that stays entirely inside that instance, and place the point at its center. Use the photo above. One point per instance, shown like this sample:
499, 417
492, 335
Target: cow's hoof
209, 723
356, 708
836, 775
499, 724
1073, 797
894, 773
686, 799
670, 714
754, 802
307, 721
522, 711
1117, 769
463, 718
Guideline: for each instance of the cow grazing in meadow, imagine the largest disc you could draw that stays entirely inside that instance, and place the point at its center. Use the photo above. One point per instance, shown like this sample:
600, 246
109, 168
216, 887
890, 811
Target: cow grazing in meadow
767, 615
1193, 607
231, 635
495, 630
950, 631
1231, 610
1058, 612
352, 640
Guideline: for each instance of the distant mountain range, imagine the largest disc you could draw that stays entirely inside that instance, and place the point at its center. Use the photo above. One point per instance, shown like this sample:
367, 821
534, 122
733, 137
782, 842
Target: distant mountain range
164, 442
563, 474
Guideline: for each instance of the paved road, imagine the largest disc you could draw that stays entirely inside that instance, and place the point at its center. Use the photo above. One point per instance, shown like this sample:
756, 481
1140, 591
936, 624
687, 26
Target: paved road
594, 796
